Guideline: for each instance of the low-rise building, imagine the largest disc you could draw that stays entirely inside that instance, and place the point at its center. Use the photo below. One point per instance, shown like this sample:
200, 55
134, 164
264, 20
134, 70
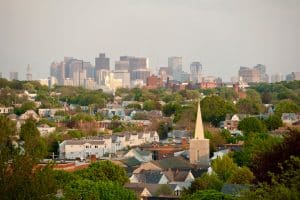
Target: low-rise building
100, 145
6, 110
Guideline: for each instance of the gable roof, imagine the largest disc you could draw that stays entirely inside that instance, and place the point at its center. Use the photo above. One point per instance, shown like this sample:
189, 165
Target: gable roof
149, 176
173, 163
177, 175
131, 161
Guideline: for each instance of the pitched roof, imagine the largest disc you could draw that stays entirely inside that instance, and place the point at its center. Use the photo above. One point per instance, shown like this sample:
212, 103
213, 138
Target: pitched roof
81, 142
131, 161
142, 153
149, 176
173, 163
176, 175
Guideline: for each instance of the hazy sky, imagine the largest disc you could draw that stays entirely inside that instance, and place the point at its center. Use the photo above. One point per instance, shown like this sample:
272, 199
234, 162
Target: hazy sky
221, 34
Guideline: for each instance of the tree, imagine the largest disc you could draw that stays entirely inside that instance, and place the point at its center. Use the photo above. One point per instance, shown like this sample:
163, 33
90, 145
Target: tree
87, 189
149, 105
286, 106
251, 124
227, 136
163, 129
273, 122
248, 106
29, 105
19, 176
171, 108
206, 182
266, 97
273, 160
104, 171
254, 145
242, 175
207, 195
224, 167
34, 146
214, 109
283, 185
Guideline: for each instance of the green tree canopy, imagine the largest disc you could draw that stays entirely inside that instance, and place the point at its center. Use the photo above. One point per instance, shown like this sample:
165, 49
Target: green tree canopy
207, 195
104, 171
286, 106
251, 125
214, 109
206, 182
224, 167
273, 122
242, 175
87, 189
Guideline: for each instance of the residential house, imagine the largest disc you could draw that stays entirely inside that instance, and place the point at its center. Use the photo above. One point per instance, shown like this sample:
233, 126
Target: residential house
142, 156
289, 118
45, 129
6, 110
29, 114
49, 112
82, 149
72, 149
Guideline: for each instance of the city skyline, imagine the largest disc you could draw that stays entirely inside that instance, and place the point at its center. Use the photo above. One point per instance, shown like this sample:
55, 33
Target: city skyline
220, 35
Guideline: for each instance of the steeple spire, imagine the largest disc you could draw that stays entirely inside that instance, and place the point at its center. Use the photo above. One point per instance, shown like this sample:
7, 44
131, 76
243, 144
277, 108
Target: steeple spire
199, 133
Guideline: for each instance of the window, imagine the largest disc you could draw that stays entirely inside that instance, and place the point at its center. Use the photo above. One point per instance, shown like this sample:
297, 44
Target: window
87, 147
96, 147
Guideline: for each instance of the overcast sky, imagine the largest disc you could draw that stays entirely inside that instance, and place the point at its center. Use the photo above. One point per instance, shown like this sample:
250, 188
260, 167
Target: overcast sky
222, 34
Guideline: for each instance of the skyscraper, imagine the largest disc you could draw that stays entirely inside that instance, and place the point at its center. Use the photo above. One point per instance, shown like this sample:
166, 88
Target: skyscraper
57, 70
28, 73
263, 77
196, 71
122, 65
276, 78
249, 75
199, 146
175, 66
13, 76
102, 62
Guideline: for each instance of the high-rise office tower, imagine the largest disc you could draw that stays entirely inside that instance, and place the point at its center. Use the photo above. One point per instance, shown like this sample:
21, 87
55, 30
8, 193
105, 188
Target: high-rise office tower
136, 62
102, 62
101, 76
101, 66
276, 78
249, 75
57, 70
138, 67
123, 75
196, 71
122, 65
13, 76
28, 73
263, 77
175, 66
140, 74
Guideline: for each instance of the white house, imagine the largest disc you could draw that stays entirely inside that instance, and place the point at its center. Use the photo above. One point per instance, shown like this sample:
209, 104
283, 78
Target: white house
45, 130
29, 114
142, 156
72, 149
6, 110
82, 149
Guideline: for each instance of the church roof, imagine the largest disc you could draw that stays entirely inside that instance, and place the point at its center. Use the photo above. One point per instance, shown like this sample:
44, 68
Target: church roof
199, 133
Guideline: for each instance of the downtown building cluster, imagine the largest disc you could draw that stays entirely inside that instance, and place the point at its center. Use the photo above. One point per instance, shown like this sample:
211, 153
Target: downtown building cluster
128, 72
